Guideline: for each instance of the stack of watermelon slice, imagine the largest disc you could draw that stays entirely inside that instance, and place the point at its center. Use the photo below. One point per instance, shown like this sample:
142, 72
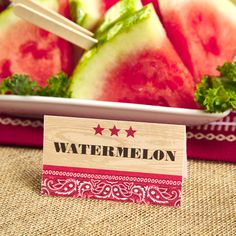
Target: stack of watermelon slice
26, 49
144, 55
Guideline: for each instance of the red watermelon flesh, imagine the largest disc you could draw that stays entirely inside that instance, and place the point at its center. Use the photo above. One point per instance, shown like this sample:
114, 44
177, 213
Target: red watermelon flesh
27, 49
64, 8
143, 70
154, 77
202, 32
109, 3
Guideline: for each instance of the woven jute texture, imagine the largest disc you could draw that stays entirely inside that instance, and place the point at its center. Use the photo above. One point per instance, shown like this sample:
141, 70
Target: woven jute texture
208, 208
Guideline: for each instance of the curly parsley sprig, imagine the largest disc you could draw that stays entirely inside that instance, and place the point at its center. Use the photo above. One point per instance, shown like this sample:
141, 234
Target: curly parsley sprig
218, 93
57, 86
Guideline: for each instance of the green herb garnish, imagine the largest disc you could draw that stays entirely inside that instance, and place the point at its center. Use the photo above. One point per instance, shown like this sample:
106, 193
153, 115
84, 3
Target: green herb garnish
218, 93
57, 86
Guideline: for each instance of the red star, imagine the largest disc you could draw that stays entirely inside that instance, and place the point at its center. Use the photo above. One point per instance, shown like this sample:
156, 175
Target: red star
98, 130
130, 132
114, 131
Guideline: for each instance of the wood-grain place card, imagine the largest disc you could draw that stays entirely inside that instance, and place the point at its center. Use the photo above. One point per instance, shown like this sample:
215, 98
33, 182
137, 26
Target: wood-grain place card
114, 160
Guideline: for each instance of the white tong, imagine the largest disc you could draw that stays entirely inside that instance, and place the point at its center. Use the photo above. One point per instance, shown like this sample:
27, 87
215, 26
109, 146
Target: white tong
53, 22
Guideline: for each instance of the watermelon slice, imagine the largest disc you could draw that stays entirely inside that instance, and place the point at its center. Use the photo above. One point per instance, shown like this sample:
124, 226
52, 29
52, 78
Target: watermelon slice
202, 32
135, 63
26, 49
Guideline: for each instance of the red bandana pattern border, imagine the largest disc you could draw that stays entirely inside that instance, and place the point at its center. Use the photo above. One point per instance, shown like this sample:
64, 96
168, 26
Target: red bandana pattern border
112, 185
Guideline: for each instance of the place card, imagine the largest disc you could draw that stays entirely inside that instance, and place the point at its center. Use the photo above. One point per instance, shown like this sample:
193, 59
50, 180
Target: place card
114, 160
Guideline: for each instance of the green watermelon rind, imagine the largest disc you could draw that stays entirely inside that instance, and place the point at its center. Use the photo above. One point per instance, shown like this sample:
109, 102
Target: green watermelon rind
116, 35
77, 14
118, 12
7, 18
86, 13
116, 30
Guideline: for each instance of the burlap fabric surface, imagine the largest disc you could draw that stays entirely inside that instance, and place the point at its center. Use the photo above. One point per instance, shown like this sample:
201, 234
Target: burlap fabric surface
208, 208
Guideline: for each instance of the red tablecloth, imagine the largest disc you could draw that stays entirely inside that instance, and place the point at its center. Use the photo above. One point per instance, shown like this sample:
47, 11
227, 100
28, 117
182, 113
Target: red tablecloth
216, 141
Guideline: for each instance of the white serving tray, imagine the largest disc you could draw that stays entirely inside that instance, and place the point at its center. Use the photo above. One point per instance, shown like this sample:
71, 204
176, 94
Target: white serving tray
34, 106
